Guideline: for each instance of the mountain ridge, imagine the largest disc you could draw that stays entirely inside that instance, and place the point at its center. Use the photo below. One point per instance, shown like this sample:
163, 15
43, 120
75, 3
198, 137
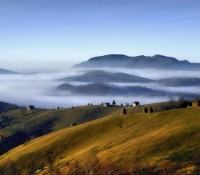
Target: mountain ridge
123, 61
103, 76
106, 89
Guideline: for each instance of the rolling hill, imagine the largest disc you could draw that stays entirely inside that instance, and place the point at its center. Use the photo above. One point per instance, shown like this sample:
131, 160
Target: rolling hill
150, 144
103, 76
138, 62
18, 126
6, 107
99, 89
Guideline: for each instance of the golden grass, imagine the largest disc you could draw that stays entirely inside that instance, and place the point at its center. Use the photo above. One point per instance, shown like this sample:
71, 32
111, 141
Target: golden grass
153, 138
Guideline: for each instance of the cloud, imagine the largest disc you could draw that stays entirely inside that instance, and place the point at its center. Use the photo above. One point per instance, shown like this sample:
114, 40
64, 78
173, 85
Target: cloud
40, 89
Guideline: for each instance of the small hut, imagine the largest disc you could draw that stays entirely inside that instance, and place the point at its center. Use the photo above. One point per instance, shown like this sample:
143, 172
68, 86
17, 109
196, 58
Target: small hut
106, 104
123, 112
150, 110
30, 107
136, 103
145, 110
195, 103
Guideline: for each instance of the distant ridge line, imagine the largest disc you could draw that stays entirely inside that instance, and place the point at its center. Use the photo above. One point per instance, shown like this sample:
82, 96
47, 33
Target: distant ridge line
123, 61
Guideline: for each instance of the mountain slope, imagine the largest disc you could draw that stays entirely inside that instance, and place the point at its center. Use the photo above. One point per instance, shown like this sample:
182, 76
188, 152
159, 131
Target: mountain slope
102, 76
177, 82
99, 89
169, 137
25, 125
6, 106
4, 71
138, 62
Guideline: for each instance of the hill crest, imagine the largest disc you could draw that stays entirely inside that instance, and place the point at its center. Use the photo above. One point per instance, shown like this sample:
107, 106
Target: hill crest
124, 61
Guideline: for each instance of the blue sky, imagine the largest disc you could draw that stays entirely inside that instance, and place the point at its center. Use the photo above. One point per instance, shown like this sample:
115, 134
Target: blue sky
59, 33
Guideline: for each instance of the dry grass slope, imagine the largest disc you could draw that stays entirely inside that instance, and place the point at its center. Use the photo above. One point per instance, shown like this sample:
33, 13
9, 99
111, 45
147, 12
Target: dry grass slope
168, 137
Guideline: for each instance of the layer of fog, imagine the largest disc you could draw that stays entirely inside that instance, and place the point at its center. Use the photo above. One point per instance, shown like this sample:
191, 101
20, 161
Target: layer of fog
157, 86
148, 73
40, 89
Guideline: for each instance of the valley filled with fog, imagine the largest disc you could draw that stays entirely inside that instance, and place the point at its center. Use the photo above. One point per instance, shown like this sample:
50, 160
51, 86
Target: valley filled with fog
41, 89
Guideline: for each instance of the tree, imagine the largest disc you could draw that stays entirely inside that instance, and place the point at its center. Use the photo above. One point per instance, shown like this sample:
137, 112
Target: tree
113, 103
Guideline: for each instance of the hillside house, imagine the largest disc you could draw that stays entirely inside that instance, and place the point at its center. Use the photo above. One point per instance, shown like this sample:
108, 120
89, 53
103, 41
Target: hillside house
136, 103
195, 103
30, 107
106, 104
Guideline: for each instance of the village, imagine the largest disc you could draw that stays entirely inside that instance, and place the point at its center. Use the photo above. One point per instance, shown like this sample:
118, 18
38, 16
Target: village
137, 107
194, 103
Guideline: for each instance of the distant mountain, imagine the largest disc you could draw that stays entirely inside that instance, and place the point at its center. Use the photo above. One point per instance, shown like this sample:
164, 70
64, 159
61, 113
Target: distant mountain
177, 82
4, 71
102, 76
102, 89
124, 61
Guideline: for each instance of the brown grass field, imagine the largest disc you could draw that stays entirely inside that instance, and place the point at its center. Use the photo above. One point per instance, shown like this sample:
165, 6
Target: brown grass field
166, 138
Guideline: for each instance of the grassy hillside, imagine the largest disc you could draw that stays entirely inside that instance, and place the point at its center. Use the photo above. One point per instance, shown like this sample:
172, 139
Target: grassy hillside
6, 106
20, 126
168, 138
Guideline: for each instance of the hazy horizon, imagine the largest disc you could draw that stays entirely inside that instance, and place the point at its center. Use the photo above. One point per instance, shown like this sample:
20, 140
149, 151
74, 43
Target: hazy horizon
74, 30
52, 66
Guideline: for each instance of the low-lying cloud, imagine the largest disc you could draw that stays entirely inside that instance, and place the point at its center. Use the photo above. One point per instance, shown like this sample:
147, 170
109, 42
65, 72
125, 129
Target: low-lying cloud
40, 89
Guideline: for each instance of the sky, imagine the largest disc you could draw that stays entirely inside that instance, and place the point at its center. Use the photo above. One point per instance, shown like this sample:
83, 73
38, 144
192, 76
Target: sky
55, 34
